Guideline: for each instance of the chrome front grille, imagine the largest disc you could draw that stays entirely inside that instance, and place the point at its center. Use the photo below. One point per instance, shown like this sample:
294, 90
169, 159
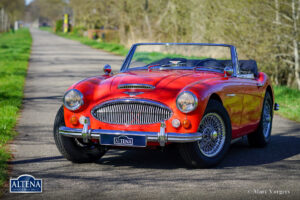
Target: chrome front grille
131, 112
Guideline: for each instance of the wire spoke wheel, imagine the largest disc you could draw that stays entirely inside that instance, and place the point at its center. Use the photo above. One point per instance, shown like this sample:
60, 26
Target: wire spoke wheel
216, 129
267, 117
214, 134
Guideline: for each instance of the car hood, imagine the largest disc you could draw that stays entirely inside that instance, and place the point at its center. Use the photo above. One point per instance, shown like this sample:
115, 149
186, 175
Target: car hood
166, 84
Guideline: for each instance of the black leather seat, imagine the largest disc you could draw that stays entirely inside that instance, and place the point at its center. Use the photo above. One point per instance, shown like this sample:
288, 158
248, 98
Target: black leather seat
248, 66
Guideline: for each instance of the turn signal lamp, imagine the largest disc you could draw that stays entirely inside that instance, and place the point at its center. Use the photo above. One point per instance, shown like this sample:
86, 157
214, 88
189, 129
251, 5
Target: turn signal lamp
186, 123
74, 120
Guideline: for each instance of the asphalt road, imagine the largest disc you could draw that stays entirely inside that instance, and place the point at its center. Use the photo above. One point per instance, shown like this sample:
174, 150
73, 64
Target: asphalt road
249, 173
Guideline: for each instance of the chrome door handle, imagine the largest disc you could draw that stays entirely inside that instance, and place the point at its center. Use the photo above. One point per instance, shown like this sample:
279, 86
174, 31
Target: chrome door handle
260, 84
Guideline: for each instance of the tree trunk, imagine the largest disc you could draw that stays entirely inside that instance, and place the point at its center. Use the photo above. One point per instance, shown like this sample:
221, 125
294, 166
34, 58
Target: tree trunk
295, 44
296, 54
277, 20
290, 77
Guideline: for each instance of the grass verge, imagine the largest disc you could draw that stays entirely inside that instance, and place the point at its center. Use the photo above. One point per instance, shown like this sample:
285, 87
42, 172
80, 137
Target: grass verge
289, 102
14, 56
286, 97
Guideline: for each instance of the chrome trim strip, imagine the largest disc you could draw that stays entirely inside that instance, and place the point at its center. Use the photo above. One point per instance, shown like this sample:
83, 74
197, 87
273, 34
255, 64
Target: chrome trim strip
260, 84
136, 86
230, 95
151, 136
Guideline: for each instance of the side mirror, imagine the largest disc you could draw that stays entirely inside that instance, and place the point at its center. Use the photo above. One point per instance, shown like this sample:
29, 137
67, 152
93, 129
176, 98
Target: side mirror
107, 69
228, 71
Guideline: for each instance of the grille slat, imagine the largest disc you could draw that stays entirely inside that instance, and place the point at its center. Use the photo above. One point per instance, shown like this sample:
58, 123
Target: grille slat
131, 112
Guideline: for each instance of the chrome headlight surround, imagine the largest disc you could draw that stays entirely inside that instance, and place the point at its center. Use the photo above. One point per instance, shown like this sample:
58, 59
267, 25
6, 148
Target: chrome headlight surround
73, 99
183, 105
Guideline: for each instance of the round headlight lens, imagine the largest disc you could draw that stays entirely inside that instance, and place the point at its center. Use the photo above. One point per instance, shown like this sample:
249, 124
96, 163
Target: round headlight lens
186, 102
73, 99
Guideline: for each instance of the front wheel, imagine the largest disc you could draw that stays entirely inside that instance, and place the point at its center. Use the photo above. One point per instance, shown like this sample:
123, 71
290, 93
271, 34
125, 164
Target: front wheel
211, 149
74, 149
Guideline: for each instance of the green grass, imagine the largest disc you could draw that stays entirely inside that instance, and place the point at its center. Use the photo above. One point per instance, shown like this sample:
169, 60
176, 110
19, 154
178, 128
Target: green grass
289, 102
14, 56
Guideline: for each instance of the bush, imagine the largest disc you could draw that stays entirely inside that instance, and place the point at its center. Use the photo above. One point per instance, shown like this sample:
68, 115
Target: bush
59, 25
78, 31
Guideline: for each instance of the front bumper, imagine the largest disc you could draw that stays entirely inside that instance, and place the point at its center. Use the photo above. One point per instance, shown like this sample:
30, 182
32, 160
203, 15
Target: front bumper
161, 137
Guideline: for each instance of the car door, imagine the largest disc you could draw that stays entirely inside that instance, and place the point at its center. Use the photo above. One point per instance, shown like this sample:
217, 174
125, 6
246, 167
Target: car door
252, 102
232, 97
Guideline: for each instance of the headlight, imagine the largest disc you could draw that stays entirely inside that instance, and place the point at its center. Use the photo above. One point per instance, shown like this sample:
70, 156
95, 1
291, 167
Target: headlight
73, 99
186, 102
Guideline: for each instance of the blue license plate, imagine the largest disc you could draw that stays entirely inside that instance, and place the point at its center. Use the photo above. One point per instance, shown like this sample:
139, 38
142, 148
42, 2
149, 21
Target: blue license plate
123, 140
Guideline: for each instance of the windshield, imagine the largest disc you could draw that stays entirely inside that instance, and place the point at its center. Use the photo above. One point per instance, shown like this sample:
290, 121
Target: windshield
180, 56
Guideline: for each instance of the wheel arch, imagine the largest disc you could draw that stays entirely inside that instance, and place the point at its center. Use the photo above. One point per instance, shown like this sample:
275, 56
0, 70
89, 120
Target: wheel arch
269, 89
216, 97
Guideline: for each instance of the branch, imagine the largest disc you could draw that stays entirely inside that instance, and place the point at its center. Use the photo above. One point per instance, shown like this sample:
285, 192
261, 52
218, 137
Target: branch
284, 46
280, 13
283, 24
288, 61
298, 12
162, 16
286, 16
286, 36
283, 54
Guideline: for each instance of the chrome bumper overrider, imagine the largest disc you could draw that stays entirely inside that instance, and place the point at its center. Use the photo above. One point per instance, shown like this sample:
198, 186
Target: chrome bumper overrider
162, 137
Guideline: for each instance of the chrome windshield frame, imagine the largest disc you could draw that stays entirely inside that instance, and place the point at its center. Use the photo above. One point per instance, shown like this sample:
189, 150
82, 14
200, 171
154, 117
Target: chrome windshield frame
234, 58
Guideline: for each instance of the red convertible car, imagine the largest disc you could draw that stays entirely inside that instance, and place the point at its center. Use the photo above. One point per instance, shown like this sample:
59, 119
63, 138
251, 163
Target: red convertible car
198, 96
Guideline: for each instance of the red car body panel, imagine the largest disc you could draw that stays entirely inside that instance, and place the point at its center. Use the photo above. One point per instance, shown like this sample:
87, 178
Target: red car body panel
242, 98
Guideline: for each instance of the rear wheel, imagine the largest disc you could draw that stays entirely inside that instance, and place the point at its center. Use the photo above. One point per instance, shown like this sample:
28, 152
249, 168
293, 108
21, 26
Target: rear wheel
211, 149
262, 135
74, 149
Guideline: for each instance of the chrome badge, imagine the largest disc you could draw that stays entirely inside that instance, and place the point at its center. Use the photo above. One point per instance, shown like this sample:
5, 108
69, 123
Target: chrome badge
132, 94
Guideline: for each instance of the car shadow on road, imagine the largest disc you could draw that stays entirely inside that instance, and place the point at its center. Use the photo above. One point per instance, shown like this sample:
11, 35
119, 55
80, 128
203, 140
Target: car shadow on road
35, 160
240, 154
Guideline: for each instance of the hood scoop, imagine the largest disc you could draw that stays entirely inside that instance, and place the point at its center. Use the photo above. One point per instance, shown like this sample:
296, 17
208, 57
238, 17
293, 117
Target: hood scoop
136, 86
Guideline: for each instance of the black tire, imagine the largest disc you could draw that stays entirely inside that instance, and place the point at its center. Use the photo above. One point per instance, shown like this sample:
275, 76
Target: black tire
192, 153
73, 149
258, 138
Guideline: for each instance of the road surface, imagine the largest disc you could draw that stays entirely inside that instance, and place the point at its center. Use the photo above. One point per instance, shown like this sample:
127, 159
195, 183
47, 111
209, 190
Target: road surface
56, 63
